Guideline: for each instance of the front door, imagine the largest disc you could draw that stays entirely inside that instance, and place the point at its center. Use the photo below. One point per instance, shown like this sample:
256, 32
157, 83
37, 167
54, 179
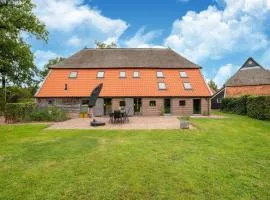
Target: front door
137, 105
196, 106
167, 106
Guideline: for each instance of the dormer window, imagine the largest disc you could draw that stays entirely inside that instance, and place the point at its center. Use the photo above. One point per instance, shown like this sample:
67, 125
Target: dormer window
136, 74
161, 86
183, 75
187, 86
160, 74
100, 74
73, 74
122, 74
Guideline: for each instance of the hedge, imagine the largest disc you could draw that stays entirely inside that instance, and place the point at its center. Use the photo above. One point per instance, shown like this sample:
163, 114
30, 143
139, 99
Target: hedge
16, 112
23, 112
235, 105
254, 106
259, 107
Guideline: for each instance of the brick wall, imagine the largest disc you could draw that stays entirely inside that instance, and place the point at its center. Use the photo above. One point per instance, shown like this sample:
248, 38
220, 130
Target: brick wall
244, 90
176, 109
148, 110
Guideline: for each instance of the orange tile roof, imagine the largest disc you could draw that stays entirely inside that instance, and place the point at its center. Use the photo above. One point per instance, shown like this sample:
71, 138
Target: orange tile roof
113, 86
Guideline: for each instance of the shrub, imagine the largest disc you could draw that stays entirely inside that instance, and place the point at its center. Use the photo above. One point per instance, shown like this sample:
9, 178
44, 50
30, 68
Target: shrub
235, 105
50, 113
15, 112
259, 107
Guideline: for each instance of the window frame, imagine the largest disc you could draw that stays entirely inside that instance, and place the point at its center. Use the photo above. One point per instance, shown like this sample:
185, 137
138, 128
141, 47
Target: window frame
122, 101
152, 103
181, 103
103, 73
160, 74
122, 76
162, 88
183, 75
186, 88
136, 76
73, 77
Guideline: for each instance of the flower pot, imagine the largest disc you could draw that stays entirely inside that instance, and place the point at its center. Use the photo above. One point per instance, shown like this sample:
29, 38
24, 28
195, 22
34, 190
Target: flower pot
184, 124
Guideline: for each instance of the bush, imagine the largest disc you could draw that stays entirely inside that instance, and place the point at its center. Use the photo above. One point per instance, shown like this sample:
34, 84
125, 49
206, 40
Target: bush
259, 107
235, 105
17, 112
47, 114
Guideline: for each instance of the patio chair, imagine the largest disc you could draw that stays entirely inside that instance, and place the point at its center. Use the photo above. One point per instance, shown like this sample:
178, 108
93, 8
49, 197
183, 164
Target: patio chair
117, 115
126, 115
111, 118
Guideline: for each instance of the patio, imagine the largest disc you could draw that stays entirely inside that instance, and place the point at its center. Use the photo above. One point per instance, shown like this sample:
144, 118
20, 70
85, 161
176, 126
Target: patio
155, 122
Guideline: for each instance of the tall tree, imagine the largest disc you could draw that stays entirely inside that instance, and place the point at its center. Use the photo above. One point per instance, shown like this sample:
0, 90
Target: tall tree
213, 85
103, 45
16, 59
44, 72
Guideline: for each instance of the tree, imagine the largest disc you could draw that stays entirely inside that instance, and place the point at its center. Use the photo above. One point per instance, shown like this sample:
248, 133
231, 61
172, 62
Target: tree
103, 45
44, 72
16, 59
213, 85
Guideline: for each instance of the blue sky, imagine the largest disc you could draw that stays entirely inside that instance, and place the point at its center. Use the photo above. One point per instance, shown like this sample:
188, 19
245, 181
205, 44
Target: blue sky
219, 35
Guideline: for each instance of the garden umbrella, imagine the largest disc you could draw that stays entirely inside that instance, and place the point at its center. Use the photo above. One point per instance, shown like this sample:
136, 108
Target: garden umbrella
94, 95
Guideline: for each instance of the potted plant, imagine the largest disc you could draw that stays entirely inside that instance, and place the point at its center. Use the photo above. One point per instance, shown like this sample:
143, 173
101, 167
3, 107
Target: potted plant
184, 122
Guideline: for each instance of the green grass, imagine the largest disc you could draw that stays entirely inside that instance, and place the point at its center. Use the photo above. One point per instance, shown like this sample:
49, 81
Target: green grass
222, 159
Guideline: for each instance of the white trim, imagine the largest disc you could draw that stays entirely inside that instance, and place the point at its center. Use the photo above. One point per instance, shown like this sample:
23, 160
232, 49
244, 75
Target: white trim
218, 93
42, 83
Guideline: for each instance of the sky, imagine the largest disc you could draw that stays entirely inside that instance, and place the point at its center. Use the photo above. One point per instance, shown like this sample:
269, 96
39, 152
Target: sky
218, 35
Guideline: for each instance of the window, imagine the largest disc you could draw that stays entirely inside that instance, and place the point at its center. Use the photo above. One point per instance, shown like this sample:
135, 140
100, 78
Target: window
122, 74
136, 74
100, 74
182, 103
187, 86
160, 74
152, 103
122, 103
50, 101
219, 100
183, 75
85, 102
161, 86
73, 74
66, 86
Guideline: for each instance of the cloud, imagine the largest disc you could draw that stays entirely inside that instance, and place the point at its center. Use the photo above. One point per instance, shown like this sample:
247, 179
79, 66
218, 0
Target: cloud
74, 41
266, 59
213, 33
42, 57
66, 18
143, 39
224, 73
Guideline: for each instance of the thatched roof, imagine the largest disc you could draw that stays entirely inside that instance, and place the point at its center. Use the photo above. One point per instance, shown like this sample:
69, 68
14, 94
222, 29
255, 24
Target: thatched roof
251, 73
126, 58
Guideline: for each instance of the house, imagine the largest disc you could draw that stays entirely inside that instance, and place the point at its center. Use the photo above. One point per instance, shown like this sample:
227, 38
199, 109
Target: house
217, 98
145, 81
250, 79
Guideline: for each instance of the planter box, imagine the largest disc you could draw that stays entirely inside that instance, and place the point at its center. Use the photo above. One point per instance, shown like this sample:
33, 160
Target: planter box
184, 124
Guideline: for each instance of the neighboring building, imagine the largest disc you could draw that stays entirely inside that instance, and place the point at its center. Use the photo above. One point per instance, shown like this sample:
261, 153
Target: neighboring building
217, 98
250, 79
144, 81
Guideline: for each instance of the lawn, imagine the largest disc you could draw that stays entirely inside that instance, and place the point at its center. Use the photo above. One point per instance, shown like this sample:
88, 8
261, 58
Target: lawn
222, 159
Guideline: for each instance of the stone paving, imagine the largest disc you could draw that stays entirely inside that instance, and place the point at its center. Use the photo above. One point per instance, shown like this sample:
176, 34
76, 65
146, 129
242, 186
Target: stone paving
159, 122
